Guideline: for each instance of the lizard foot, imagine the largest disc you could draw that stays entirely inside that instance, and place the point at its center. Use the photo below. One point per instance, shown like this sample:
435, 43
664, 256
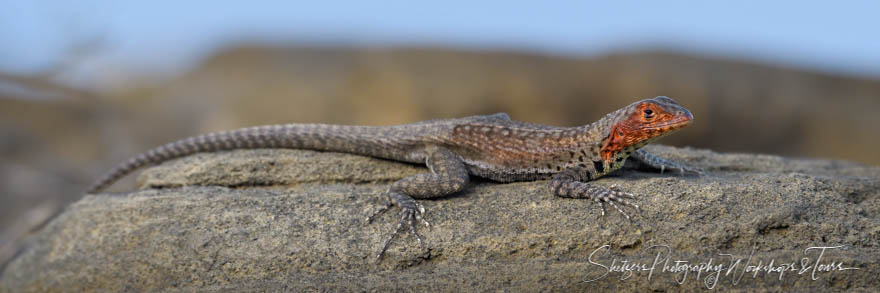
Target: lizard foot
683, 170
650, 161
411, 211
614, 195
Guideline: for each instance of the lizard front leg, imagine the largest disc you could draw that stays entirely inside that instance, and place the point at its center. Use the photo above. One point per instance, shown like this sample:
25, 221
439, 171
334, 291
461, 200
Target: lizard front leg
648, 160
570, 183
448, 175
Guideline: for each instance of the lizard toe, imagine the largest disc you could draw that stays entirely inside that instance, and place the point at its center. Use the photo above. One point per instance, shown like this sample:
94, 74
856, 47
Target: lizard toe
616, 193
379, 212
601, 206
693, 171
684, 170
410, 212
420, 216
618, 209
615, 196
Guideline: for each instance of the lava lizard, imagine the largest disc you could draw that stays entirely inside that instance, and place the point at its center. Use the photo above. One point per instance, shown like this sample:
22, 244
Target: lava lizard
489, 146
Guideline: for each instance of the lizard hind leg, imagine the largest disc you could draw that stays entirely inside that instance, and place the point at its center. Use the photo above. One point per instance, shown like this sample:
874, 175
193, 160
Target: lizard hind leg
448, 175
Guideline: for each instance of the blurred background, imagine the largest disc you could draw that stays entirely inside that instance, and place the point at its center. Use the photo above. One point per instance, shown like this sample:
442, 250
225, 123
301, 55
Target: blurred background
86, 84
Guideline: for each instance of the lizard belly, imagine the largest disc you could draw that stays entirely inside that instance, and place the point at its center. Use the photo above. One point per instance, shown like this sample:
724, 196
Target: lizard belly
507, 174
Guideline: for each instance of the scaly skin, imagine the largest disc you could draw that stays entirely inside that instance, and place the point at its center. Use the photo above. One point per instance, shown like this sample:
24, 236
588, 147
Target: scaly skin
492, 147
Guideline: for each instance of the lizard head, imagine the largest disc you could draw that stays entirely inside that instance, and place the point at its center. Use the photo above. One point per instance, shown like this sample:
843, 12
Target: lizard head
642, 122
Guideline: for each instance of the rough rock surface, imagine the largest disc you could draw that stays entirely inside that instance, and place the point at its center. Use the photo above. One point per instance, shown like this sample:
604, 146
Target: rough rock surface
294, 220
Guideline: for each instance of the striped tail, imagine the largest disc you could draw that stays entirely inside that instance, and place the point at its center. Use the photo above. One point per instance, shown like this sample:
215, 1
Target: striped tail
386, 142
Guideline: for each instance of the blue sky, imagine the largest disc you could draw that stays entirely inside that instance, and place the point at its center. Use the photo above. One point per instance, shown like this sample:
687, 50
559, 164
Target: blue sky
836, 36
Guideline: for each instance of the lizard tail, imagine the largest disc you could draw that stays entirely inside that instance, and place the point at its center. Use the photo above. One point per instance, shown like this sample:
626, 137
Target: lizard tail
350, 139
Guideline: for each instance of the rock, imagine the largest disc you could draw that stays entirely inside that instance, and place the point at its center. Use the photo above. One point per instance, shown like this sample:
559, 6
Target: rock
292, 220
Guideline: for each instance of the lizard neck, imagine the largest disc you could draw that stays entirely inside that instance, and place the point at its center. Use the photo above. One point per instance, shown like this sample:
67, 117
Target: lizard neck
598, 138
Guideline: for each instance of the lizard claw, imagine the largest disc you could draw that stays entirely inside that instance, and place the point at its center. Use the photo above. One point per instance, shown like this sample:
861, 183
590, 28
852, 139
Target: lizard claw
411, 211
421, 216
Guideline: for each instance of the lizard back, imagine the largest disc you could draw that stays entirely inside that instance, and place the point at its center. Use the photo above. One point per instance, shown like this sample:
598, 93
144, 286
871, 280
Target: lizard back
516, 151
399, 142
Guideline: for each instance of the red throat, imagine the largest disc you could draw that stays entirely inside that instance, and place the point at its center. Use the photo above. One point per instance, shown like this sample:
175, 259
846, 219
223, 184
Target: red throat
614, 143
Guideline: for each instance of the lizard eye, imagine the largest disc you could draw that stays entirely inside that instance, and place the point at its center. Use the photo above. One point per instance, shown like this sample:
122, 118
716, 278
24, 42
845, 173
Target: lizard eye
649, 113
